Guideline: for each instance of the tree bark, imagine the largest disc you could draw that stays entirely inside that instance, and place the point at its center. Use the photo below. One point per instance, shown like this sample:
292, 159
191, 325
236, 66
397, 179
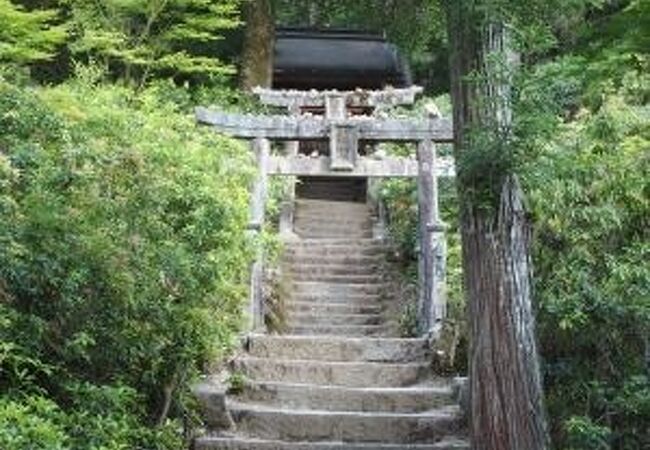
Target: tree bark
257, 64
505, 383
506, 401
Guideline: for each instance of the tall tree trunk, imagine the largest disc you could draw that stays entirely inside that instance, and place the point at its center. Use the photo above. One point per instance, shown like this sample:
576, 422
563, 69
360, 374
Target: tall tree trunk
506, 411
257, 65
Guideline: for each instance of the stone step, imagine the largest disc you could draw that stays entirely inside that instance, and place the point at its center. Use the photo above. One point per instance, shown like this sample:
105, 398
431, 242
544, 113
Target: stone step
323, 308
337, 330
335, 242
321, 205
295, 268
336, 195
331, 255
333, 383
313, 221
334, 214
333, 211
339, 289
247, 443
326, 216
353, 299
310, 224
354, 246
325, 219
351, 279
320, 260
336, 229
306, 319
315, 425
326, 183
326, 234
334, 252
336, 398
390, 350
351, 374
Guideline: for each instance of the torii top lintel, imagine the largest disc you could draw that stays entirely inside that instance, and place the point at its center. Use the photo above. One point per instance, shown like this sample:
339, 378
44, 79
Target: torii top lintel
343, 130
284, 128
336, 103
359, 98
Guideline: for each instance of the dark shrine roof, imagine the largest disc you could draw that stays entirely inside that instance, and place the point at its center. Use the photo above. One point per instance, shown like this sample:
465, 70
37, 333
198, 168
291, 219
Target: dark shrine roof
336, 59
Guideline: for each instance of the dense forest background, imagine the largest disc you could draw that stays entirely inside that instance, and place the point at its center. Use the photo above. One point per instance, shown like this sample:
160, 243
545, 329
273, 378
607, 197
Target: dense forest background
123, 248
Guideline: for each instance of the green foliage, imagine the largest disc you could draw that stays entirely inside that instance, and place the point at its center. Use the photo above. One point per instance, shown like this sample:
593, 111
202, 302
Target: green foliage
124, 255
590, 194
98, 418
139, 38
586, 139
31, 424
408, 321
584, 434
401, 200
27, 36
236, 383
109, 418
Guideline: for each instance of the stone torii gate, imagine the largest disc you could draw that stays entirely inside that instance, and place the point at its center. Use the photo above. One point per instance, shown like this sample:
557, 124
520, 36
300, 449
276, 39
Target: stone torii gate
344, 131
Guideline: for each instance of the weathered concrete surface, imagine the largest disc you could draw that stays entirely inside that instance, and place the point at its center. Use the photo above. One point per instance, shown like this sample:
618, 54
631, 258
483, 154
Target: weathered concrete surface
246, 443
335, 248
212, 397
391, 350
353, 374
325, 308
348, 221
339, 380
411, 399
352, 299
326, 329
340, 232
298, 319
314, 425
372, 278
307, 268
336, 289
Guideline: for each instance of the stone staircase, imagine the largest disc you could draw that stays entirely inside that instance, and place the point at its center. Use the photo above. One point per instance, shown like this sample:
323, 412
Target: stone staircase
337, 380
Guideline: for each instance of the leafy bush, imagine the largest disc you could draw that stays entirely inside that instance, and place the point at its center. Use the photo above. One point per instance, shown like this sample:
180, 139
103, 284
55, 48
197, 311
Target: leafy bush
401, 200
33, 424
589, 189
584, 434
123, 256
98, 418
